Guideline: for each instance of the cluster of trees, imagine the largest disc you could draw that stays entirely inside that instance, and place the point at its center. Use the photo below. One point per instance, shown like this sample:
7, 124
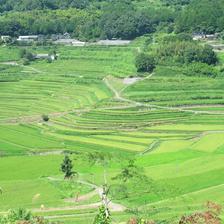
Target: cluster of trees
23, 5
21, 216
45, 22
186, 52
175, 2
145, 62
114, 19
180, 49
27, 56
123, 20
204, 16
92, 19
210, 215
130, 172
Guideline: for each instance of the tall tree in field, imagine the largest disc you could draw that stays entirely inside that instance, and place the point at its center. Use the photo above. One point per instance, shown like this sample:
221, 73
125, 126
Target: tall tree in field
103, 217
66, 167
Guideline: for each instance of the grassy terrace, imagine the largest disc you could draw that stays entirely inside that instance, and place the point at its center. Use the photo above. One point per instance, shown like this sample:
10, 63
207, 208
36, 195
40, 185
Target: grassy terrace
177, 90
181, 150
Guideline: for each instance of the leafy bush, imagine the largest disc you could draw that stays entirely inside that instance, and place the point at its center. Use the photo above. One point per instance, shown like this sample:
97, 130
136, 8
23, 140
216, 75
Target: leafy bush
145, 63
185, 51
139, 221
21, 216
202, 16
209, 216
45, 117
103, 217
26, 62
14, 216
200, 69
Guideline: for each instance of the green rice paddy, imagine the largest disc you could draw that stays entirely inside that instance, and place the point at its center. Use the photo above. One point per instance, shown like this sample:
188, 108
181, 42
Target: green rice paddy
172, 125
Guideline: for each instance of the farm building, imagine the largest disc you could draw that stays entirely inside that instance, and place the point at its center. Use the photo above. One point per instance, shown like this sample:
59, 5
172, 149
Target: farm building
113, 42
28, 38
55, 37
46, 56
198, 36
205, 36
72, 42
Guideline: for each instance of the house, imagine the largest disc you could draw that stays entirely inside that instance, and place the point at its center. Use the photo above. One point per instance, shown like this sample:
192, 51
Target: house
46, 56
113, 42
66, 36
211, 36
201, 36
28, 38
198, 36
72, 42
5, 38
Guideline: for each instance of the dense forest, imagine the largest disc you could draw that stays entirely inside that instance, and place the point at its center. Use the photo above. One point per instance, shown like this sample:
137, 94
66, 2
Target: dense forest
84, 19
96, 19
202, 16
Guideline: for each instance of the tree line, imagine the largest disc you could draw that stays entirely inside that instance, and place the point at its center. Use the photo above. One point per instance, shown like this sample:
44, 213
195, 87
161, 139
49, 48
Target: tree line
23, 5
202, 16
98, 19
195, 58
115, 19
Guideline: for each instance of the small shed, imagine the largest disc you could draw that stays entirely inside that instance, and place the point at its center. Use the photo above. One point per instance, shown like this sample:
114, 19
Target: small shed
72, 42
113, 42
28, 38
46, 56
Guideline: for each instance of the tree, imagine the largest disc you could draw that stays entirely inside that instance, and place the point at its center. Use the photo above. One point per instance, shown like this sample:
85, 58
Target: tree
66, 167
204, 16
209, 216
200, 69
45, 117
29, 56
130, 171
145, 63
22, 53
102, 159
21, 216
103, 217
208, 56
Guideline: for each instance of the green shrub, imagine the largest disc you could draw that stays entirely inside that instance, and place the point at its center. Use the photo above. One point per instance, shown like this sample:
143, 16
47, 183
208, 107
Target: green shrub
103, 217
145, 63
45, 117
26, 62
200, 69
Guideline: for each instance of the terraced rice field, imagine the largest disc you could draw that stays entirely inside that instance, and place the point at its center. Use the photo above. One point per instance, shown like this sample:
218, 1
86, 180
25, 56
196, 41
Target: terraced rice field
173, 126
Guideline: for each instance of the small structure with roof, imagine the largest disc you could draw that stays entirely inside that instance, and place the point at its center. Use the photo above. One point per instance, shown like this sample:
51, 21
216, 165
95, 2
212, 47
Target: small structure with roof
28, 38
46, 56
71, 42
113, 42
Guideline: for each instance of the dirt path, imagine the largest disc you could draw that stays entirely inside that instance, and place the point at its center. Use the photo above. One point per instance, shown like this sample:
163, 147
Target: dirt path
114, 207
13, 63
118, 96
38, 118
